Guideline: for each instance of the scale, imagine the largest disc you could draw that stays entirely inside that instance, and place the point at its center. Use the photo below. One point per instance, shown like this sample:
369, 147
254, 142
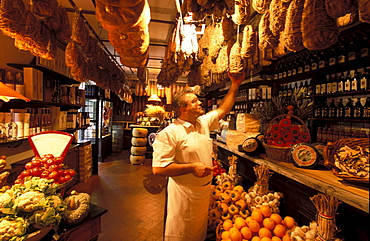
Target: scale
56, 143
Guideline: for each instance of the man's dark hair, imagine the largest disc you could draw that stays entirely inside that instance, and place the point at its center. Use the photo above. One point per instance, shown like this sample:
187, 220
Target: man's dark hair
178, 100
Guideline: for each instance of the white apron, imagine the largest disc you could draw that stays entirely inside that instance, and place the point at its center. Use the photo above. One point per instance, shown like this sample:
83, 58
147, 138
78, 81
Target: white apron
188, 196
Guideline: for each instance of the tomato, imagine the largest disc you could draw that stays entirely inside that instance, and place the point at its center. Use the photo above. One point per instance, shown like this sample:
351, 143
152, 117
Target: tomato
36, 172
53, 167
25, 173
50, 162
50, 156
45, 174
72, 172
67, 178
28, 165
61, 179
60, 172
60, 165
59, 160
53, 175
36, 162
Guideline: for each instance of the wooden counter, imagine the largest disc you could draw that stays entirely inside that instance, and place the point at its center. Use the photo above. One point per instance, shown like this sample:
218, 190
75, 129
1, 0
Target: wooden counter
321, 180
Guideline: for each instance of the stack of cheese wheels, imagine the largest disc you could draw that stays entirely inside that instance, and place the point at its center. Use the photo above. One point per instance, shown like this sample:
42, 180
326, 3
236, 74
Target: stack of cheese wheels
138, 148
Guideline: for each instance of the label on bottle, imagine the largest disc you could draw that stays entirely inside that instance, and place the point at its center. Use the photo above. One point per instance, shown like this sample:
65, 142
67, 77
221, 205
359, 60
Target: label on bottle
294, 71
334, 87
284, 74
340, 112
347, 112
323, 89
364, 52
300, 70
280, 75
357, 112
341, 58
314, 66
332, 61
340, 87
366, 112
290, 72
363, 83
347, 86
307, 68
351, 55
329, 88
321, 64
324, 112
354, 85
332, 112
318, 89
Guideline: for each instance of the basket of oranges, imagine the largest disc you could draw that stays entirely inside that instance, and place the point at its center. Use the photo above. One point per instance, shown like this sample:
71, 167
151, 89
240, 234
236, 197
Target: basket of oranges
283, 132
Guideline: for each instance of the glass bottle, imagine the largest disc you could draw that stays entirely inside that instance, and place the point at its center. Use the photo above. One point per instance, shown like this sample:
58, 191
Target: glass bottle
318, 110
340, 109
341, 81
300, 64
329, 84
9, 80
355, 82
324, 134
315, 60
352, 47
19, 84
335, 135
285, 91
319, 134
324, 110
334, 84
281, 90
329, 135
323, 58
348, 110
364, 45
333, 54
309, 87
364, 81
342, 56
366, 113
358, 109
323, 86
307, 62
10, 126
332, 109
347, 83
318, 89
289, 90
294, 66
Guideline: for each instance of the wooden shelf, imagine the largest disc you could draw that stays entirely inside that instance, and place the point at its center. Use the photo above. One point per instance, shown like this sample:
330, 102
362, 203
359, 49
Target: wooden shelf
320, 180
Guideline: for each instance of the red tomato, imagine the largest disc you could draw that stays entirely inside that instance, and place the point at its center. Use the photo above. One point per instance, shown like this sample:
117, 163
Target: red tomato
67, 178
45, 174
48, 156
53, 167
28, 165
53, 175
36, 162
59, 160
50, 162
72, 172
25, 173
36, 172
61, 179
60, 165
60, 172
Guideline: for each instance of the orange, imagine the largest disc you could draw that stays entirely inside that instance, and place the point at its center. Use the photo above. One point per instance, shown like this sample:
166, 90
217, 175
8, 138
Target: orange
264, 232
248, 219
279, 230
275, 238
228, 239
256, 238
277, 218
225, 235
286, 237
265, 210
268, 223
235, 234
289, 222
257, 215
227, 224
246, 233
254, 226
240, 222
265, 239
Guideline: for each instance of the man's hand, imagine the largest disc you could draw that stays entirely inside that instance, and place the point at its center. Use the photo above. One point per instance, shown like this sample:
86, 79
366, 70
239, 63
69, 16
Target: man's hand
237, 78
201, 170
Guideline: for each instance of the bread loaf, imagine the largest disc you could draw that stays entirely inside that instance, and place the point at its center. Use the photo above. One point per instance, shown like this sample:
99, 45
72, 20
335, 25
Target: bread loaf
292, 34
339, 8
319, 30
364, 10
249, 42
278, 10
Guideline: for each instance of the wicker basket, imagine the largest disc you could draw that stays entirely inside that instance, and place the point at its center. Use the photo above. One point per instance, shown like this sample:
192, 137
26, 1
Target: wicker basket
281, 153
331, 150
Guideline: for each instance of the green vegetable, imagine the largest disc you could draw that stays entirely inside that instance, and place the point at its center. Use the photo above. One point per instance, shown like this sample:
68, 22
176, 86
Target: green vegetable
12, 228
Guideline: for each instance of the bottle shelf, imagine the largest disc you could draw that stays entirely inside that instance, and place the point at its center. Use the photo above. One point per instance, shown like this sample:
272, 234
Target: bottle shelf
338, 120
349, 93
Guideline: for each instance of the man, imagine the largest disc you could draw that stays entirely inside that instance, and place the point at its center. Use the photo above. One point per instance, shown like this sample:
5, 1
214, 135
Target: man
183, 152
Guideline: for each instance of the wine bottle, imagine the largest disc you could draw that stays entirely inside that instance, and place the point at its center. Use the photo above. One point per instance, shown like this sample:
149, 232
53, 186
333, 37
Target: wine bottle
366, 113
364, 45
285, 91
290, 90
329, 84
300, 65
323, 58
332, 109
342, 52
355, 82
348, 110
281, 90
347, 83
341, 81
318, 110
340, 109
318, 89
309, 87
351, 53
315, 60
334, 84
323, 86
333, 54
358, 109
364, 81
307, 62
324, 110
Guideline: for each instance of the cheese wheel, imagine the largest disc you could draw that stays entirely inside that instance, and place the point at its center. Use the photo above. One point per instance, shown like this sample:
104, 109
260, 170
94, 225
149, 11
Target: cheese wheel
138, 141
138, 150
137, 160
139, 132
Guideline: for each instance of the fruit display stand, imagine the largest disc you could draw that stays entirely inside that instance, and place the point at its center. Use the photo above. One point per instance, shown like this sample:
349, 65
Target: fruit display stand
299, 184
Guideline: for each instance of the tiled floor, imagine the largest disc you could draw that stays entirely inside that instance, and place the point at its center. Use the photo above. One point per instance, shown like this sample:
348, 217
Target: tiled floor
133, 196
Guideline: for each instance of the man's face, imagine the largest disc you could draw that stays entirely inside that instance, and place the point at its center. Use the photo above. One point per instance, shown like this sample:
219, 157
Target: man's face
194, 105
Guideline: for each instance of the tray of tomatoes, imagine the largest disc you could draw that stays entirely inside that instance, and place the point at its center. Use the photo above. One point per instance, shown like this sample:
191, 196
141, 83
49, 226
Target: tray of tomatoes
49, 167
